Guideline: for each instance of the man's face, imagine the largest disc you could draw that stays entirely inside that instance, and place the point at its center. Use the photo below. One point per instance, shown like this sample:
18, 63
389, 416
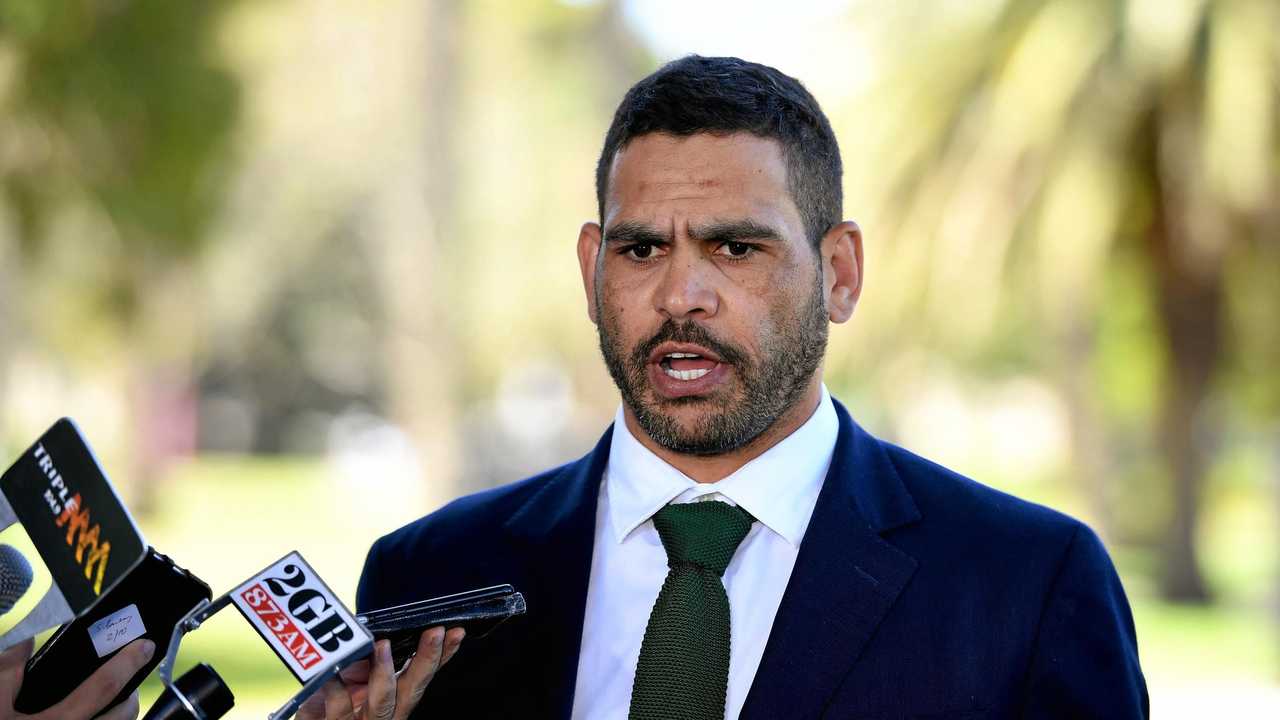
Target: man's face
708, 297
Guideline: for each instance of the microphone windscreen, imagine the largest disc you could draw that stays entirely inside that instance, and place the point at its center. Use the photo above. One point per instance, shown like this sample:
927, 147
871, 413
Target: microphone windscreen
203, 687
15, 576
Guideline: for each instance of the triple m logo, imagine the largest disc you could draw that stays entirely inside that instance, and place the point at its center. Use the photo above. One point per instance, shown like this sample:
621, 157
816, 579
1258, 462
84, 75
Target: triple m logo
90, 550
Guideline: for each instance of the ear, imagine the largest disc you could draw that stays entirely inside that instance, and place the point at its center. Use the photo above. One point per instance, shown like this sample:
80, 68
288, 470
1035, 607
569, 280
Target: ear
842, 269
588, 251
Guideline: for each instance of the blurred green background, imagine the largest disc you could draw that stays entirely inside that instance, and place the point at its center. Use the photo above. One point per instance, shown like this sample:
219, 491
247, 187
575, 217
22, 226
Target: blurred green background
304, 269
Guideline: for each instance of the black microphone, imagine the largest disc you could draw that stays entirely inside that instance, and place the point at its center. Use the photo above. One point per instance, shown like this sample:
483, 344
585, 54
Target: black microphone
295, 613
203, 688
77, 526
147, 603
15, 577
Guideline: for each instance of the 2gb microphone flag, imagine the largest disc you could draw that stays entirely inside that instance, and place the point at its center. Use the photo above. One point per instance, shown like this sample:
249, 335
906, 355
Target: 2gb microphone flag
82, 532
300, 618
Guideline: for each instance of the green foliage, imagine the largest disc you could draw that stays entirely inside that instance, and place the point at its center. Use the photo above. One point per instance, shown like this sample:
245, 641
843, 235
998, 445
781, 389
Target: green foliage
123, 104
1090, 177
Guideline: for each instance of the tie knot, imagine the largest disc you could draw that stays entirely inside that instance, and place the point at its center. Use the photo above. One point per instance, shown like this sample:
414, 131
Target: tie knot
702, 533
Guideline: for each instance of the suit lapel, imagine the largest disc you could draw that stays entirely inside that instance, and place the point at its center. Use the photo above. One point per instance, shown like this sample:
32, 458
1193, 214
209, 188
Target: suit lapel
845, 579
555, 532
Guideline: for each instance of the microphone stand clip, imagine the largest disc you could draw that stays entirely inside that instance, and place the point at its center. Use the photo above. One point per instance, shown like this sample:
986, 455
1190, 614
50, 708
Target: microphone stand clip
203, 612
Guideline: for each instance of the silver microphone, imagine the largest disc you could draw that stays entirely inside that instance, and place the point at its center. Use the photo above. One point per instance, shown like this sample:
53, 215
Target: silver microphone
15, 577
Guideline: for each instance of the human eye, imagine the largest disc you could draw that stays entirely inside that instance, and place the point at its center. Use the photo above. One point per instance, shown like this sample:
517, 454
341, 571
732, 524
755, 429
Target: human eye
735, 250
639, 251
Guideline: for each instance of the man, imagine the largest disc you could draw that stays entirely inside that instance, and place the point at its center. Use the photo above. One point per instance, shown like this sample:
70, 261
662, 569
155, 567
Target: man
735, 545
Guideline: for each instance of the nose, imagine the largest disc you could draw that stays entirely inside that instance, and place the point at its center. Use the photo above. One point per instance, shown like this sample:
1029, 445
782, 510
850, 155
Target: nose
685, 290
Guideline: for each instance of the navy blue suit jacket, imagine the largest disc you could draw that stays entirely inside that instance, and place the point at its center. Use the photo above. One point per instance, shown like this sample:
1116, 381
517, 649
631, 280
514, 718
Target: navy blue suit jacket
917, 593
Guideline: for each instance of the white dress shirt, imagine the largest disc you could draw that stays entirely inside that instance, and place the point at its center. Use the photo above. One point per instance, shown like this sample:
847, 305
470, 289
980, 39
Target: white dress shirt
629, 564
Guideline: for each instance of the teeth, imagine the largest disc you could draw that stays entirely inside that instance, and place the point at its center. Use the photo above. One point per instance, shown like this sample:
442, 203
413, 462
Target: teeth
685, 374
682, 355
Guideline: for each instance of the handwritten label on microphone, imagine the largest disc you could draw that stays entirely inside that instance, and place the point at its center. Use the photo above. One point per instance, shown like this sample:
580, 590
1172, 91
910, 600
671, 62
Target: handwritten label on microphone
116, 630
299, 617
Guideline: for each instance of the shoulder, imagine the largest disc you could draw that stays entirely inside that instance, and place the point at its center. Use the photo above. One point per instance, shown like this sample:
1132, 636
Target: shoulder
463, 545
976, 543
1043, 577
466, 518
975, 518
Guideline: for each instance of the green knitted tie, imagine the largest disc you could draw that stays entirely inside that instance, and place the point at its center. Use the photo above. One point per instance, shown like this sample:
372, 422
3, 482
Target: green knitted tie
683, 672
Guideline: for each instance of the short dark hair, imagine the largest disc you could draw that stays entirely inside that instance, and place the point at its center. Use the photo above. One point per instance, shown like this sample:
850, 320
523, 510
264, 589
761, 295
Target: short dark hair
722, 95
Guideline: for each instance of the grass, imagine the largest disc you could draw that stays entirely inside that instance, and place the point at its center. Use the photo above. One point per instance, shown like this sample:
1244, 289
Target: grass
1215, 645
226, 518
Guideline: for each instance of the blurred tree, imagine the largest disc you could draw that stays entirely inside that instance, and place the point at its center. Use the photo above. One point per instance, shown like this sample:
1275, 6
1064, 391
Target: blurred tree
114, 125
414, 240
542, 81
1043, 145
439, 172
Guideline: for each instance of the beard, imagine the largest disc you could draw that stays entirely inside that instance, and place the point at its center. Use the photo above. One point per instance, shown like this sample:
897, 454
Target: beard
769, 385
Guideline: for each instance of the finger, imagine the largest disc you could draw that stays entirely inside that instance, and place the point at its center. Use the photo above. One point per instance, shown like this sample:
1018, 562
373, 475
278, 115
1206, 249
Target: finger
337, 703
313, 708
17, 655
382, 684
12, 665
359, 698
356, 672
413, 680
104, 684
452, 641
127, 710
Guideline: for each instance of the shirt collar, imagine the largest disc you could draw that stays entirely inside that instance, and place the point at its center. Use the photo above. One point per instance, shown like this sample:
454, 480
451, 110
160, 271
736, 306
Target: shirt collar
780, 487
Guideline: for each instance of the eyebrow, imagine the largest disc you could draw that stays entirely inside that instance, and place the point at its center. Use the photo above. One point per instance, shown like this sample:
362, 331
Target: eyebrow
721, 231
634, 233
734, 230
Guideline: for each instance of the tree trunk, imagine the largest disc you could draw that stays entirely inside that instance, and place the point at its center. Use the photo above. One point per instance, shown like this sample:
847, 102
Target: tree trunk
415, 221
1088, 440
1182, 580
1189, 287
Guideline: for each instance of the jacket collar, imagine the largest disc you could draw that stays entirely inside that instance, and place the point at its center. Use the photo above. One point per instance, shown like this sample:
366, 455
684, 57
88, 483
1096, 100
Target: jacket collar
845, 579
638, 483
880, 499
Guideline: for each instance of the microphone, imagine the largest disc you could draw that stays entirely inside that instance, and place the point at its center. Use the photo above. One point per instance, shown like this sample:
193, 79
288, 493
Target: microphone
147, 603
78, 527
15, 577
295, 613
107, 587
203, 688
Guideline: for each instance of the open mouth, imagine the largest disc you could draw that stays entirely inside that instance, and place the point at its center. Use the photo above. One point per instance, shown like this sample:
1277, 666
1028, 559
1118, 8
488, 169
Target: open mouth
685, 370
686, 365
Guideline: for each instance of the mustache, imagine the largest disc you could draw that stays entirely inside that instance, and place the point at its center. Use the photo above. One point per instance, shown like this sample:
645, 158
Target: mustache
689, 332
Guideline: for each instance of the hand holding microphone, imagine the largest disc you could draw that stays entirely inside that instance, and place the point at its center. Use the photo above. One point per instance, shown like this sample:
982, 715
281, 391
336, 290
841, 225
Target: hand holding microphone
374, 690
411, 637
86, 700
118, 597
113, 595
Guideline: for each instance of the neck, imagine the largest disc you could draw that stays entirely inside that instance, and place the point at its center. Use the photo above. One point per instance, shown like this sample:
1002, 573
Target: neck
711, 468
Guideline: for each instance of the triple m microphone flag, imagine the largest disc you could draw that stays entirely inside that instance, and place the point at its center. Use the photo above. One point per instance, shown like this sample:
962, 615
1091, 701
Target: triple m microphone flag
84, 538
